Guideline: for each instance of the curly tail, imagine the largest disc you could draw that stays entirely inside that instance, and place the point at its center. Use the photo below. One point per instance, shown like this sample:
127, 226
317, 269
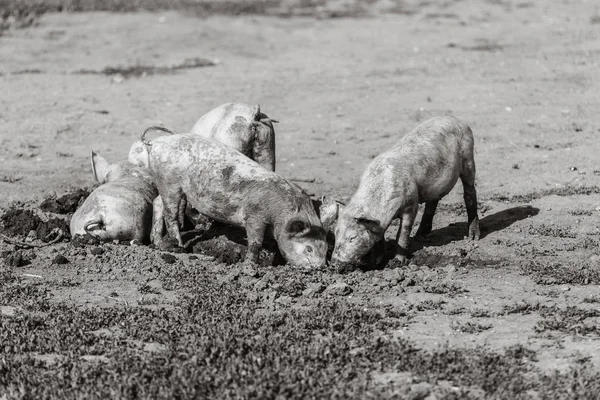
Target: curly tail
155, 128
91, 223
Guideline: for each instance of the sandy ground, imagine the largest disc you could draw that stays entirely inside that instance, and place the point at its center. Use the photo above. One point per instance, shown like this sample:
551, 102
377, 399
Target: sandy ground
522, 74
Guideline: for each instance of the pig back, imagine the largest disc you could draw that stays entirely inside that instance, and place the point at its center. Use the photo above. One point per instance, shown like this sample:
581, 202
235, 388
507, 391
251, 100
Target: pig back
230, 124
218, 181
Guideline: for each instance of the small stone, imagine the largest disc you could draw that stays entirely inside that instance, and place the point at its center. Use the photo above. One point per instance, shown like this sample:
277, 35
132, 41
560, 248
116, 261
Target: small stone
118, 78
408, 282
8, 311
97, 251
284, 300
233, 275
313, 289
260, 286
250, 270
338, 289
450, 269
59, 259
168, 258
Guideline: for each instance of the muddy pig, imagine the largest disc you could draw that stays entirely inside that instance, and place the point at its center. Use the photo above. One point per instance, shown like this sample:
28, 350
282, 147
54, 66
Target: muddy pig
240, 126
223, 184
422, 168
121, 207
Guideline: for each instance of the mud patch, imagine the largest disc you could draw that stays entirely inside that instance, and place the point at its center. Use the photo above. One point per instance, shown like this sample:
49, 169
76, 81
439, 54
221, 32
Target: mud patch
137, 71
65, 204
20, 222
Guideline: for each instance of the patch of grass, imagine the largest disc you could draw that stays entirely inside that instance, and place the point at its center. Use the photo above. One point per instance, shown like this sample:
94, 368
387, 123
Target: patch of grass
480, 313
456, 311
443, 287
217, 344
551, 231
520, 308
584, 272
571, 320
24, 13
591, 299
147, 289
146, 70
579, 213
429, 305
563, 192
469, 327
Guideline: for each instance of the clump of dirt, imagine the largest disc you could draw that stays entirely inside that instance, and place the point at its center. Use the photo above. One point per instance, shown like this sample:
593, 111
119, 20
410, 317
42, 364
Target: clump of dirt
85, 240
19, 222
230, 252
65, 204
15, 258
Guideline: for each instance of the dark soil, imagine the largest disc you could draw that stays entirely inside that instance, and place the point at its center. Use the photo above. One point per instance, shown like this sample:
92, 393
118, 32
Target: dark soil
19, 222
65, 204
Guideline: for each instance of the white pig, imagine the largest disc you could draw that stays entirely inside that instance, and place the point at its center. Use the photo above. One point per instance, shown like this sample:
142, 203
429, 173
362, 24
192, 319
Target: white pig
422, 167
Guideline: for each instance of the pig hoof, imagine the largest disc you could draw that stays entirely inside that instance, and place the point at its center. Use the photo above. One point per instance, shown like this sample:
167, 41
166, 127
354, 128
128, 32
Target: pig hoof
474, 234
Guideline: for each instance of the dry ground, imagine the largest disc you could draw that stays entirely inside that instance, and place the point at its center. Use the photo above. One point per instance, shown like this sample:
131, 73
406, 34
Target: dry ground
523, 74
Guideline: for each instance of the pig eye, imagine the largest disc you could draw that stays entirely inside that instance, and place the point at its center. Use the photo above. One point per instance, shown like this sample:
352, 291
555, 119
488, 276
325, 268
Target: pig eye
309, 249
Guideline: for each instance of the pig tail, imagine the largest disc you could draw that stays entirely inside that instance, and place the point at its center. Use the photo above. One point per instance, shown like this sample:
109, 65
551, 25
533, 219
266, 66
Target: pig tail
155, 128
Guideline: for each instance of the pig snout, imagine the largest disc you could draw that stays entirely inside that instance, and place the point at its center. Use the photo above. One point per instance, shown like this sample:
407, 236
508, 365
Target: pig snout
309, 253
355, 239
303, 244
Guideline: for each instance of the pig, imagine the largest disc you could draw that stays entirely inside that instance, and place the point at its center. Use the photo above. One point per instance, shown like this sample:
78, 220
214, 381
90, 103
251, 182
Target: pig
422, 167
240, 126
223, 184
121, 207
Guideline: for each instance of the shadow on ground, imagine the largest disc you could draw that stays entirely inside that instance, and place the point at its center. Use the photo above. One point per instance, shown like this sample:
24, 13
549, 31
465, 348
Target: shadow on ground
490, 224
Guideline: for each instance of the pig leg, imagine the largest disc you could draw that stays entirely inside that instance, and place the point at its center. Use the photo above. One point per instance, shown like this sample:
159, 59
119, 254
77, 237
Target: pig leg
427, 219
255, 232
181, 212
172, 204
408, 219
158, 223
470, 195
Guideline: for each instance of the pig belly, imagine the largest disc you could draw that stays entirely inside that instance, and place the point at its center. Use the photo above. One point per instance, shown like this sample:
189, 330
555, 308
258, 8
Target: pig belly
218, 207
438, 185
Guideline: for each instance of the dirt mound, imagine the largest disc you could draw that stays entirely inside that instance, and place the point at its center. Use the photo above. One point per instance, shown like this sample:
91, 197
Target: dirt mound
19, 222
65, 204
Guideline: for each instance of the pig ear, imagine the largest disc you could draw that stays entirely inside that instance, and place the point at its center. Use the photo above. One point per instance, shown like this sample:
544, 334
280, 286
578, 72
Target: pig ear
296, 227
371, 224
257, 112
100, 167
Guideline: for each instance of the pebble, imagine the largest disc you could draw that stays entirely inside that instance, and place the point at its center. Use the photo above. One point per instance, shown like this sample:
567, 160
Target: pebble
59, 259
8, 311
168, 258
338, 289
313, 289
